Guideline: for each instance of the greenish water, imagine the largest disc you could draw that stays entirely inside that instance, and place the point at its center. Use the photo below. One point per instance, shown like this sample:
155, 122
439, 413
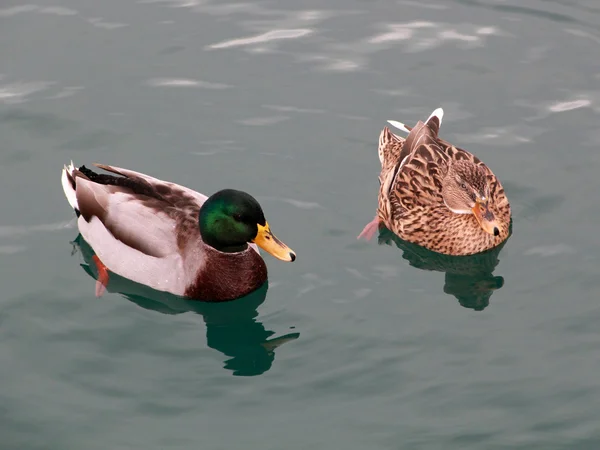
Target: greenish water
355, 345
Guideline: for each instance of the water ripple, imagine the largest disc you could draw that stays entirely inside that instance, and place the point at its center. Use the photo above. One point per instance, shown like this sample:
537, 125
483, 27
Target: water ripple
98, 22
14, 93
423, 5
54, 10
185, 82
293, 109
422, 35
570, 105
272, 35
173, 3
263, 121
58, 11
501, 136
550, 250
14, 231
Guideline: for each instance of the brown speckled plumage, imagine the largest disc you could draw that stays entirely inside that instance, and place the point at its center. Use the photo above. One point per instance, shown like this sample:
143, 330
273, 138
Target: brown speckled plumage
411, 203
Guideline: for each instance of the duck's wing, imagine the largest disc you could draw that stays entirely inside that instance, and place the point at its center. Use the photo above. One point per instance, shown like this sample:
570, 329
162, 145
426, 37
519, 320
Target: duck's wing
167, 188
416, 180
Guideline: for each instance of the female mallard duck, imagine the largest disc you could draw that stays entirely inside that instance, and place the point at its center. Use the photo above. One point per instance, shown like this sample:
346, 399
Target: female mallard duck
169, 237
436, 195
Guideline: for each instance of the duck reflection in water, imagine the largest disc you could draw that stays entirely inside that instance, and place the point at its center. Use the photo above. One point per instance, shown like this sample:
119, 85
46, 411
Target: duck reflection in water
232, 327
468, 278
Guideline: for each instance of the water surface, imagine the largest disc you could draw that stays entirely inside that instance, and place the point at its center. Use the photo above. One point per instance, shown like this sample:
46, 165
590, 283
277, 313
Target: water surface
354, 345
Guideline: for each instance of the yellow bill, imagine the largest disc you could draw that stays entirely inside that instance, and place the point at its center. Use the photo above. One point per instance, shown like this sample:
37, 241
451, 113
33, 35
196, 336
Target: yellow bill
266, 240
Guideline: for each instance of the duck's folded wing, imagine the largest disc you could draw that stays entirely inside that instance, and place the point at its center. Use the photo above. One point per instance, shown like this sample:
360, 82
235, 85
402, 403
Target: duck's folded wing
135, 236
163, 187
138, 221
417, 180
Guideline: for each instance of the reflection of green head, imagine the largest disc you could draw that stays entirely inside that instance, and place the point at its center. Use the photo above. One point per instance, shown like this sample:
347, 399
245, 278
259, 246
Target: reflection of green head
229, 220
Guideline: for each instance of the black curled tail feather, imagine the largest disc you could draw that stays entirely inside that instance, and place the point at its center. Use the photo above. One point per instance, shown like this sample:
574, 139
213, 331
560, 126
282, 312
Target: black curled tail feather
137, 185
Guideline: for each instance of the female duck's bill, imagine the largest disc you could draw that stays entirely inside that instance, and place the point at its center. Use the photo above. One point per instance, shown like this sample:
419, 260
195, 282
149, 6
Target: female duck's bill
485, 217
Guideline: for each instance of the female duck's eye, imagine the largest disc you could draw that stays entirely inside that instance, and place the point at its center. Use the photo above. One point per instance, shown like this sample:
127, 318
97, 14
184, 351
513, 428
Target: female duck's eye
463, 185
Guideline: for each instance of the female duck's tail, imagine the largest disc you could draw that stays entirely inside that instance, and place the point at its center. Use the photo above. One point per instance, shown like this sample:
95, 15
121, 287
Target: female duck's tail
434, 121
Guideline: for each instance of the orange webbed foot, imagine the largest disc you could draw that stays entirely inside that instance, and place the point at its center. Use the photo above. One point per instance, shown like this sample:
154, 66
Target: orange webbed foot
102, 281
370, 229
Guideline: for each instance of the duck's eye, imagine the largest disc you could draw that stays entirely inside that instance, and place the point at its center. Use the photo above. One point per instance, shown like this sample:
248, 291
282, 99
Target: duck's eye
238, 217
463, 185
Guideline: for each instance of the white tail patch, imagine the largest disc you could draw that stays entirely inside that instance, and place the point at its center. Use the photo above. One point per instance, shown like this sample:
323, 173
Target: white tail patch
67, 186
439, 113
399, 125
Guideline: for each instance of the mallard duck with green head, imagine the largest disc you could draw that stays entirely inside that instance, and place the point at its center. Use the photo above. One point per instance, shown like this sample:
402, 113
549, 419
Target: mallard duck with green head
437, 195
170, 237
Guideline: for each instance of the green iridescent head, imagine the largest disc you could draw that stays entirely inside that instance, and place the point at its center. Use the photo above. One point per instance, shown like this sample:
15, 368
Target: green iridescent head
229, 220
